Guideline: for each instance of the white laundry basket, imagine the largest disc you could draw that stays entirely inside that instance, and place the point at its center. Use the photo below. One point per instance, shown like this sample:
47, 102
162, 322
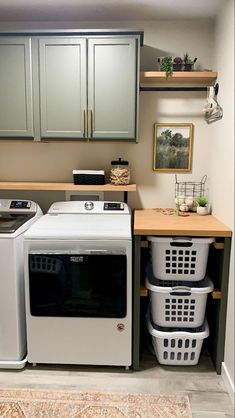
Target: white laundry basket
181, 258
176, 303
177, 347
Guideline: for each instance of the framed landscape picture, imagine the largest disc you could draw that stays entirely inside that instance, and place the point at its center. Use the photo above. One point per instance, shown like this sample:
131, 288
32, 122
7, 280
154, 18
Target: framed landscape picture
172, 147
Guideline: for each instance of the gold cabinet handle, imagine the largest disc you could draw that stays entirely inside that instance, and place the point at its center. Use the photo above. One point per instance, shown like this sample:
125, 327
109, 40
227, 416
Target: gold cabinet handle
84, 123
91, 123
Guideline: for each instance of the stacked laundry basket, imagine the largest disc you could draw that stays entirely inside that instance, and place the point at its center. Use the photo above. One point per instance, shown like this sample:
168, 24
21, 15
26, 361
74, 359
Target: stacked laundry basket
178, 287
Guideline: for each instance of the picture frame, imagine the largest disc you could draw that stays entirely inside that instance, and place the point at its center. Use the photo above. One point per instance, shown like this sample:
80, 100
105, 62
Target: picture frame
172, 147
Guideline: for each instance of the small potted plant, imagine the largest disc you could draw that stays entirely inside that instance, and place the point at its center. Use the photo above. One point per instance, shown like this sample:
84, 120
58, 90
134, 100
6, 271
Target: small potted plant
166, 65
202, 208
177, 64
188, 62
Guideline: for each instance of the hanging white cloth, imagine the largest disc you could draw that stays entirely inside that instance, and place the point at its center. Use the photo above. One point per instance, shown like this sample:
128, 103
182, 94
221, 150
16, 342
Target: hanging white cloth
212, 110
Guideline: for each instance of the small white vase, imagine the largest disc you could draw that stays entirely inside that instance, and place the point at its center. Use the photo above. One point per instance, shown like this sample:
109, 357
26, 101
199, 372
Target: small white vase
202, 210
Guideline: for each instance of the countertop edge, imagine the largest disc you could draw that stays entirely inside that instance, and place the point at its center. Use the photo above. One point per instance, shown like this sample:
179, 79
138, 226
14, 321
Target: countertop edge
204, 233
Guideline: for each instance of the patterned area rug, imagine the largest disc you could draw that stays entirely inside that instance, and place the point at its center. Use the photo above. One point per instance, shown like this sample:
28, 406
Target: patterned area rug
30, 403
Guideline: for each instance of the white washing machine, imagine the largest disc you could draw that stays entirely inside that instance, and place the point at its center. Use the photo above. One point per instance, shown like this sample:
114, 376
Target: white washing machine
16, 216
78, 272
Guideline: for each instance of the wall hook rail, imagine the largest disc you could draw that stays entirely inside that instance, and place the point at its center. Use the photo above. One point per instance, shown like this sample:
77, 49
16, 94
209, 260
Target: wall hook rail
182, 88
173, 88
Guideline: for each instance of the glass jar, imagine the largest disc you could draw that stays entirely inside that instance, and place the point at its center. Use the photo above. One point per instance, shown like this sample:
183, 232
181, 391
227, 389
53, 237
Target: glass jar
120, 172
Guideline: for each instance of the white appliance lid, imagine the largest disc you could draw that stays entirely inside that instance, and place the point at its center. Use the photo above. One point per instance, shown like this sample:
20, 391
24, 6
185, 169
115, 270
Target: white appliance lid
16, 216
80, 227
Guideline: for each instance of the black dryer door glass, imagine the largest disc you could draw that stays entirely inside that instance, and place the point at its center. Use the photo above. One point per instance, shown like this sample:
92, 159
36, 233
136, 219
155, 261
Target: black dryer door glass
78, 285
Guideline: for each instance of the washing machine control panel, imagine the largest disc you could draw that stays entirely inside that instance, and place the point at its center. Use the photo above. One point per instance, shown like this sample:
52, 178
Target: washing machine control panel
20, 204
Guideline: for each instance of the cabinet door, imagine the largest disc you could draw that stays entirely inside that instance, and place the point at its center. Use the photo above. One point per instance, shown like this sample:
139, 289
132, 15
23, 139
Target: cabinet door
112, 88
16, 115
63, 96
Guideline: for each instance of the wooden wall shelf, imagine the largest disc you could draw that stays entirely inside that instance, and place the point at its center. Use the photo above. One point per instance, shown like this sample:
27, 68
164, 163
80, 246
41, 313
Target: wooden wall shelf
8, 185
184, 77
65, 186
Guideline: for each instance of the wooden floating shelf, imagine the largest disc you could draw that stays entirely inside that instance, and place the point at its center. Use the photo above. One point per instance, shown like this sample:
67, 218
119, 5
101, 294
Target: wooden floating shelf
185, 77
65, 186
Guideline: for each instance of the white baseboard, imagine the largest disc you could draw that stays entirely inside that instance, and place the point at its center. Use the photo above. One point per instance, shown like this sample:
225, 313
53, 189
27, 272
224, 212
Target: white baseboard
228, 382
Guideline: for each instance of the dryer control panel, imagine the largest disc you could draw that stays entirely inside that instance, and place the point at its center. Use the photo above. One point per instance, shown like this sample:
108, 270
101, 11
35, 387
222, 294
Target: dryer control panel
88, 207
113, 206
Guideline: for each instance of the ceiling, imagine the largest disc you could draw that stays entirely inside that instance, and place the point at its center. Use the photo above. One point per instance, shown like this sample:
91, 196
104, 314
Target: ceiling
107, 10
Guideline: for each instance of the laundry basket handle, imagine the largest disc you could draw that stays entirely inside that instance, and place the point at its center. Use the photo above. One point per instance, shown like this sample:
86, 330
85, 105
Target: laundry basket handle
180, 291
181, 242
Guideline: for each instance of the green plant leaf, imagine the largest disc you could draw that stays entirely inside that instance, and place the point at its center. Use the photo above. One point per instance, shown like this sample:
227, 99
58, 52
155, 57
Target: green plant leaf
202, 201
167, 66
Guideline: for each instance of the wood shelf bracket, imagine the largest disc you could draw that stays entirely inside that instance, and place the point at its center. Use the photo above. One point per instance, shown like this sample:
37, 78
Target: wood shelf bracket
218, 245
143, 291
216, 294
144, 244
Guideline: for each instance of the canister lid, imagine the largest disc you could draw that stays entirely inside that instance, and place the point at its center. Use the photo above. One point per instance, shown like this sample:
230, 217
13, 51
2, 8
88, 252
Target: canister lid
119, 162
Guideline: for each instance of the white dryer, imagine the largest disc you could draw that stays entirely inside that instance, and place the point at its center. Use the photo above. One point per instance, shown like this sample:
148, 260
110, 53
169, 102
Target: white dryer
16, 216
78, 272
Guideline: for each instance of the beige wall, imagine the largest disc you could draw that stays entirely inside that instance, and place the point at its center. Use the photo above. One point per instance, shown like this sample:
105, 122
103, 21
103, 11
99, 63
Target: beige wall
222, 167
55, 161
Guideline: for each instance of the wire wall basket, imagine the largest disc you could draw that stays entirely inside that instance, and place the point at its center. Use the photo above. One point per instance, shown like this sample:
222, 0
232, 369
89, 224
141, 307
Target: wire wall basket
187, 193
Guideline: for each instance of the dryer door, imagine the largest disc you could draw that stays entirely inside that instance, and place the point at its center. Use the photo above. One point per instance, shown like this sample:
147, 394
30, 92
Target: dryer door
86, 284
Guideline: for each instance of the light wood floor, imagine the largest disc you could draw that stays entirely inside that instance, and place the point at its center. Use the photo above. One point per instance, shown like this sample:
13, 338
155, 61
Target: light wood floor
206, 391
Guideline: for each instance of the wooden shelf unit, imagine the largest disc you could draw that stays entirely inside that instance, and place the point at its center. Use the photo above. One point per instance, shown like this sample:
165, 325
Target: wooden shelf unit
155, 222
182, 77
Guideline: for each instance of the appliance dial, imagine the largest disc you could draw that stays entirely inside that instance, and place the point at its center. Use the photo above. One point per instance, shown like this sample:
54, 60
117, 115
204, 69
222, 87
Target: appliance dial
89, 205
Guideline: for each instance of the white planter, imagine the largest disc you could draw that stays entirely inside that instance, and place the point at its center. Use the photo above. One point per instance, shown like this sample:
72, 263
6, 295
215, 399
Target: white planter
202, 210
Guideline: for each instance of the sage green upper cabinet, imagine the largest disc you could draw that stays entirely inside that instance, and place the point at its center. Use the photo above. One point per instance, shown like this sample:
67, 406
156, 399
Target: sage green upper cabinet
16, 115
63, 87
70, 84
112, 88
88, 87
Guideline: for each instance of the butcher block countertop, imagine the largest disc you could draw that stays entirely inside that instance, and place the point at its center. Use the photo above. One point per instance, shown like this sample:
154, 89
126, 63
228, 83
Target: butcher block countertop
158, 222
